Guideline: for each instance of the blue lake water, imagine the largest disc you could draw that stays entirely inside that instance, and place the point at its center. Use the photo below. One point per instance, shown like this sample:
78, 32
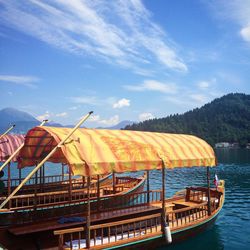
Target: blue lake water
232, 228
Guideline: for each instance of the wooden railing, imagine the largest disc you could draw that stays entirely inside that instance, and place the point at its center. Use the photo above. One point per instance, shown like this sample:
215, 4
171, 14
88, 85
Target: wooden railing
200, 194
194, 209
57, 204
181, 217
105, 234
50, 199
110, 232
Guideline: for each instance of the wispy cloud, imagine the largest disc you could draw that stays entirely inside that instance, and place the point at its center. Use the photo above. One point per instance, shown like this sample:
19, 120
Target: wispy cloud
145, 116
92, 100
120, 32
153, 85
204, 85
44, 116
236, 10
27, 81
121, 103
63, 114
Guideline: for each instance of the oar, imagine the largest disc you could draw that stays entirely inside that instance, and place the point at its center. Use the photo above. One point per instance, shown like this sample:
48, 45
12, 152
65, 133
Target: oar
17, 150
7, 131
45, 159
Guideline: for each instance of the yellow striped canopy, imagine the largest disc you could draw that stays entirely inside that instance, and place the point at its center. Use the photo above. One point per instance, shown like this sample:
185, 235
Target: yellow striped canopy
92, 151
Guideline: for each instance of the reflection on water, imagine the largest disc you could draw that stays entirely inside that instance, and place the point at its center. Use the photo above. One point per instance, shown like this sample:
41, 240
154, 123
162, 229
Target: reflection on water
232, 228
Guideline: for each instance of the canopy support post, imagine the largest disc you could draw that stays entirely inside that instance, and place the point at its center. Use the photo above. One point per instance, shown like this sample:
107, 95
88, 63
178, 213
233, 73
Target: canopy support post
43, 167
40, 177
113, 181
70, 184
20, 175
163, 197
9, 184
44, 160
148, 187
208, 192
88, 216
62, 171
98, 193
35, 192
83, 181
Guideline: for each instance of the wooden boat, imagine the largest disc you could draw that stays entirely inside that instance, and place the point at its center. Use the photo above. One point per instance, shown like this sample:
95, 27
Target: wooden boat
133, 220
186, 215
10, 145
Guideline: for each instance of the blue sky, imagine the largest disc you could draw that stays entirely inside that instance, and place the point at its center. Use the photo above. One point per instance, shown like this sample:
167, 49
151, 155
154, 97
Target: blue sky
125, 60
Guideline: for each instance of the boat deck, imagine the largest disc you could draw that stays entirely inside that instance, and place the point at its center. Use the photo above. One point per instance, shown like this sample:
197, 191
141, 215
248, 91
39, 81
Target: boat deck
95, 218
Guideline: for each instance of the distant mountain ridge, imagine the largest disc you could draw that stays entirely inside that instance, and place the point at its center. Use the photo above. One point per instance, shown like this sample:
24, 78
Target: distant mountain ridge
225, 119
23, 121
120, 125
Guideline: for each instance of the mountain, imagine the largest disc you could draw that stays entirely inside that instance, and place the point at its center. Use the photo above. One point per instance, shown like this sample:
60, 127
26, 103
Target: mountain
10, 115
23, 121
225, 119
120, 125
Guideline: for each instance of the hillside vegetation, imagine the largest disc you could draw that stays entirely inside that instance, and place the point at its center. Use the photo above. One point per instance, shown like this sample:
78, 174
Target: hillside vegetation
226, 119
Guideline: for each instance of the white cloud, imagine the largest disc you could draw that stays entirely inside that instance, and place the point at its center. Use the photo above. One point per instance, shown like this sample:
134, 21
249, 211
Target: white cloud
119, 32
104, 122
145, 116
200, 98
153, 85
121, 103
245, 33
94, 118
21, 80
236, 10
63, 114
44, 116
204, 85
111, 121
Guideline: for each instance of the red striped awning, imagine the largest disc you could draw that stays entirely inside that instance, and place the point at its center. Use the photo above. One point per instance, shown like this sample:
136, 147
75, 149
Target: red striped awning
92, 151
8, 145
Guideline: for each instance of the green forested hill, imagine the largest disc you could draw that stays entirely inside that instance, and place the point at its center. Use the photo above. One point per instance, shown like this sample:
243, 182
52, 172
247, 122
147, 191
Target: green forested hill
224, 119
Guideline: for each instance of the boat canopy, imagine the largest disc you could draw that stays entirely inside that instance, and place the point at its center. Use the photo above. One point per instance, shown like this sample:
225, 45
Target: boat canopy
92, 151
8, 145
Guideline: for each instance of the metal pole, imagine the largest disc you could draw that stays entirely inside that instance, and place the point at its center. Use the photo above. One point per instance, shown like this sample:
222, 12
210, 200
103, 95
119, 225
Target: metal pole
208, 192
45, 159
88, 216
148, 187
17, 150
7, 131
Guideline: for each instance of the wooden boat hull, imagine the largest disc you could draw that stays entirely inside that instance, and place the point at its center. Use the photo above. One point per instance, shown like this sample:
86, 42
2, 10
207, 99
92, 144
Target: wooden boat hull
177, 236
187, 214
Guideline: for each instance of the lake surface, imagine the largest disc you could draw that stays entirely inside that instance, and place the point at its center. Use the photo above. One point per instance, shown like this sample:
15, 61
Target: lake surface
232, 228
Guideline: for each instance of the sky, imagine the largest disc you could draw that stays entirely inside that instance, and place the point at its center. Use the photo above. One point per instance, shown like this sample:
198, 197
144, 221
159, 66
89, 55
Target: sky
125, 60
